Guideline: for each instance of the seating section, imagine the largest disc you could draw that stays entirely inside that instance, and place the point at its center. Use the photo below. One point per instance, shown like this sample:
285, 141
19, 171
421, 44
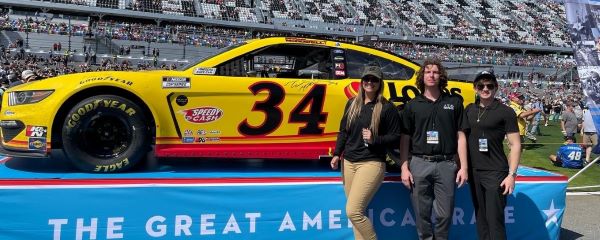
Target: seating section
534, 22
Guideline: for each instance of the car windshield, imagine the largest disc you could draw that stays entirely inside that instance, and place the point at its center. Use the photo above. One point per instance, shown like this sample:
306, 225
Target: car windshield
200, 59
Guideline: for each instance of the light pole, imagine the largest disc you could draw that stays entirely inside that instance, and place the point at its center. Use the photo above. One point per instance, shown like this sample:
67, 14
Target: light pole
70, 29
184, 44
27, 29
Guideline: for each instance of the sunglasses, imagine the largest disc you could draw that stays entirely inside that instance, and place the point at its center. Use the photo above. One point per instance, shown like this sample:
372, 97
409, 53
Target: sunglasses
371, 80
489, 86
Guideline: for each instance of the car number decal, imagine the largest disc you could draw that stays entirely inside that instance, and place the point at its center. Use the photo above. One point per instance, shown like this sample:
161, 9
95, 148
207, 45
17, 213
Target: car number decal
314, 101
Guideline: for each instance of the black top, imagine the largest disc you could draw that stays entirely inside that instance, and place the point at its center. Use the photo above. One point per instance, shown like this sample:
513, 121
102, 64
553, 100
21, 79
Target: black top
351, 143
445, 115
495, 121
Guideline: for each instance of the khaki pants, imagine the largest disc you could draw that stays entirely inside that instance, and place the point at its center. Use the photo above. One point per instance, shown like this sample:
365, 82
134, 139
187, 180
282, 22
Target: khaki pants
361, 182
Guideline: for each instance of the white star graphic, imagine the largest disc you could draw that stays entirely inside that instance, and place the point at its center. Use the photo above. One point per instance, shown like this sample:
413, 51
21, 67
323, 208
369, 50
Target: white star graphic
551, 214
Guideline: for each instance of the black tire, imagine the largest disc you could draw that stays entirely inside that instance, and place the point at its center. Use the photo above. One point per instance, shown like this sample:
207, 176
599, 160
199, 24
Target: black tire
105, 133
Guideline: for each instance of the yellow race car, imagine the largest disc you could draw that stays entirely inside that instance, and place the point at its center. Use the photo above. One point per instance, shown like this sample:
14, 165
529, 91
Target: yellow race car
280, 97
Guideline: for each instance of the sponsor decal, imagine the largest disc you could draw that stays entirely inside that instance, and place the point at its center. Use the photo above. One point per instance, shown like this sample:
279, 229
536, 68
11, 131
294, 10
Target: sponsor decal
214, 132
112, 167
304, 40
338, 51
201, 140
107, 78
181, 100
188, 140
176, 82
213, 139
205, 71
188, 133
338, 58
106, 103
337, 44
339, 66
9, 113
340, 73
202, 114
10, 124
37, 143
201, 132
36, 131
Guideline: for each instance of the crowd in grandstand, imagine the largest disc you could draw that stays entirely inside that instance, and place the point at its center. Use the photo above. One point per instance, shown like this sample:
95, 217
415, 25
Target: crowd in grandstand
535, 22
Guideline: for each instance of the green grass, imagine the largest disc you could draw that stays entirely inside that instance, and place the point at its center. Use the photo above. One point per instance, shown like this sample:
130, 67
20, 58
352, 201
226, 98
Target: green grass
536, 156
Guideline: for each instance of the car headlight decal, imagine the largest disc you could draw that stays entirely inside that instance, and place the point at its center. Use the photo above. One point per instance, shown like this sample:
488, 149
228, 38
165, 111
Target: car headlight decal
27, 97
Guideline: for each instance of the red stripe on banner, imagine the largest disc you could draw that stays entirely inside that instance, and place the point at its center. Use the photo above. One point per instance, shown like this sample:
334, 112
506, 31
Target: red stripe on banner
181, 181
259, 150
542, 178
125, 181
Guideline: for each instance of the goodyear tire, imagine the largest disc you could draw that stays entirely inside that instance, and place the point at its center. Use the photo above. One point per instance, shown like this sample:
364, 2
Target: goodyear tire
105, 133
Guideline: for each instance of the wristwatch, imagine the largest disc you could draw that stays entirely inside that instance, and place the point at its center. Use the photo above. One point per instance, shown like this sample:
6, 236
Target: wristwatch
513, 174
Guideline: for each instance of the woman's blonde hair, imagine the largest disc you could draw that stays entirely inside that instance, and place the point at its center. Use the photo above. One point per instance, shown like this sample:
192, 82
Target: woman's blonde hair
357, 104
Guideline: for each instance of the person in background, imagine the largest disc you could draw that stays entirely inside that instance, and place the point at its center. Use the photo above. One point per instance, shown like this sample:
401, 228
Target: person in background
516, 102
568, 122
568, 155
589, 134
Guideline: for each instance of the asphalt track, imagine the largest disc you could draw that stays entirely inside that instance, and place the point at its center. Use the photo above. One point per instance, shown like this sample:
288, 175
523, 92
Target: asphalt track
581, 218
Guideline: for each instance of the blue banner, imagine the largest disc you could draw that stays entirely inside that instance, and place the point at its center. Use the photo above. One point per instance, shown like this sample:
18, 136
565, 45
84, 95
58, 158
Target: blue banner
100, 207
582, 20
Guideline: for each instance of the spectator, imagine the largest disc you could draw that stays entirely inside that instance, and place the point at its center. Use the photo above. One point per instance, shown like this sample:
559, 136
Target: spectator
516, 104
589, 133
568, 155
569, 122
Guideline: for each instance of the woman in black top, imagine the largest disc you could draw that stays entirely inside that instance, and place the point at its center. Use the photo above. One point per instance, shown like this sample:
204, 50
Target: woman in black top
370, 124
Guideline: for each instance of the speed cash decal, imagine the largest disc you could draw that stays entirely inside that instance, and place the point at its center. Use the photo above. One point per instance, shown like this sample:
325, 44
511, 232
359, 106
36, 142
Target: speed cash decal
314, 101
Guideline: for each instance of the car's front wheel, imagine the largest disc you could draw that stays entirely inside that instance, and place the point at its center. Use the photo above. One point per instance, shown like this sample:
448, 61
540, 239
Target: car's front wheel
105, 133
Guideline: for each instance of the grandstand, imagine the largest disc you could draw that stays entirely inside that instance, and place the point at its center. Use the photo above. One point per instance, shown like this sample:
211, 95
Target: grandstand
523, 35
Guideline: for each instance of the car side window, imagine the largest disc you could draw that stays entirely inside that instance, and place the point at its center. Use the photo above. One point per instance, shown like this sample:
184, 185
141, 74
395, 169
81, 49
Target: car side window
391, 70
281, 61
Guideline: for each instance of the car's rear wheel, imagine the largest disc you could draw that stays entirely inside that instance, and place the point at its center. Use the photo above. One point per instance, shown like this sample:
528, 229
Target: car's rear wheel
105, 133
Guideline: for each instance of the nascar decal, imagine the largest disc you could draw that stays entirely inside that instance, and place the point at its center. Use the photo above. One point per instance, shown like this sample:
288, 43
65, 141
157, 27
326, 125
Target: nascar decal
202, 114
37, 143
205, 71
176, 82
36, 131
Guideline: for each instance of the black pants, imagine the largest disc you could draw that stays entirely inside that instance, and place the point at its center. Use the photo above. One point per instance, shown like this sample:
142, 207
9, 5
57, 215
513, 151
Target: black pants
489, 203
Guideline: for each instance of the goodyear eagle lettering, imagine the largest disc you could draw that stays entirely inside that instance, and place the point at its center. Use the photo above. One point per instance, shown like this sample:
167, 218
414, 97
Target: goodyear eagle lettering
112, 167
75, 117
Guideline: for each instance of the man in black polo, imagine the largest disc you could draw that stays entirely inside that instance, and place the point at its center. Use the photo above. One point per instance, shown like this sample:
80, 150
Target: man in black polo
492, 174
433, 123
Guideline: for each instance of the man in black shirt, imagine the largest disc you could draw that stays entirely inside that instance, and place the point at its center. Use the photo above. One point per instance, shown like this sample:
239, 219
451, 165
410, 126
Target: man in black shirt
433, 123
492, 175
